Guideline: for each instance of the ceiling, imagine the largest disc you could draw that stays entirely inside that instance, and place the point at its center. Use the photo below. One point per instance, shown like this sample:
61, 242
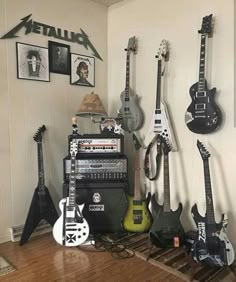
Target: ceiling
107, 3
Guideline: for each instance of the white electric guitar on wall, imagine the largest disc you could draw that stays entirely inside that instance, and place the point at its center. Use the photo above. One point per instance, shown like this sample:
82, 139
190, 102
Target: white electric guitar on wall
161, 124
71, 229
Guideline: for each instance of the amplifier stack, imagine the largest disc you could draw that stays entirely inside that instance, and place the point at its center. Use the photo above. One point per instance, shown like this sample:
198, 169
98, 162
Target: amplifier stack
101, 180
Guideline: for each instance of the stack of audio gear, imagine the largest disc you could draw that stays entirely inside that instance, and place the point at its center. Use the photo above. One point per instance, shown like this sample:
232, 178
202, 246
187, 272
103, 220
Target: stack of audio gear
101, 180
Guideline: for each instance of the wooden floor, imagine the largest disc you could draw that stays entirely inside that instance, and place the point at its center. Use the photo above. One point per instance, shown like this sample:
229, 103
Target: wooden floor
42, 259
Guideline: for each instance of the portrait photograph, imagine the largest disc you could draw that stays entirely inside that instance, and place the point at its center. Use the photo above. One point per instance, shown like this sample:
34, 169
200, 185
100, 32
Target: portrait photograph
32, 62
82, 70
59, 57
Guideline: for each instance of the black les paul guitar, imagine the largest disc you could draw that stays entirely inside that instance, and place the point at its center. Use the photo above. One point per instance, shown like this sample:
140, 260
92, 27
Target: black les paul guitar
203, 115
212, 245
166, 230
42, 206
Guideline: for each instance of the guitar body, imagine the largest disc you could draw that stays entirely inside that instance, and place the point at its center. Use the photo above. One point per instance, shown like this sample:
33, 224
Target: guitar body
203, 115
70, 229
131, 113
41, 207
166, 226
138, 217
212, 245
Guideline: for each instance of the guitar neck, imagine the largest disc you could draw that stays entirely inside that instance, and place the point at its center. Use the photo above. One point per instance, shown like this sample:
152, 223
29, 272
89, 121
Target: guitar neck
127, 80
158, 92
202, 64
41, 183
137, 192
72, 183
208, 193
166, 184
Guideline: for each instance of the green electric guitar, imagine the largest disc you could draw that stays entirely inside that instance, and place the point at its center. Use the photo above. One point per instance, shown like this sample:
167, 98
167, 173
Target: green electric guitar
138, 217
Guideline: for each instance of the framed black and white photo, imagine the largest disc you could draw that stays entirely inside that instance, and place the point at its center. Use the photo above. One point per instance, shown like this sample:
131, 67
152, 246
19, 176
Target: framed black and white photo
59, 57
82, 70
32, 62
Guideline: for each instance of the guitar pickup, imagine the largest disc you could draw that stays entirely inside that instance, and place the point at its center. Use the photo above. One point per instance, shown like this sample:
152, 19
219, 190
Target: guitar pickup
201, 94
200, 106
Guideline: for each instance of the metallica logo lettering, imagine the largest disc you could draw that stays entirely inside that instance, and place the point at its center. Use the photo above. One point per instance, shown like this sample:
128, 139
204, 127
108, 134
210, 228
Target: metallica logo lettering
50, 31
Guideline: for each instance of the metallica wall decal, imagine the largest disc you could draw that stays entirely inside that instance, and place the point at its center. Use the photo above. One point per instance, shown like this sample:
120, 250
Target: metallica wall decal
32, 62
32, 26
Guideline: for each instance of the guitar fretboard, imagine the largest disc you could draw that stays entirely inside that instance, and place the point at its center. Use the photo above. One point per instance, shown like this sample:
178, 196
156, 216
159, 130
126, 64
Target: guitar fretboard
137, 193
72, 183
127, 80
166, 184
201, 80
41, 182
158, 92
208, 193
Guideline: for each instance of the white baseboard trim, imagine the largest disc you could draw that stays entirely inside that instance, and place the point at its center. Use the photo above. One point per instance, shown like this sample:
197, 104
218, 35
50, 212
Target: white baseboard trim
5, 237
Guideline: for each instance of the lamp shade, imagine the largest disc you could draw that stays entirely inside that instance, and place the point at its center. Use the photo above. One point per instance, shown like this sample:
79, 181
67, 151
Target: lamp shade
91, 105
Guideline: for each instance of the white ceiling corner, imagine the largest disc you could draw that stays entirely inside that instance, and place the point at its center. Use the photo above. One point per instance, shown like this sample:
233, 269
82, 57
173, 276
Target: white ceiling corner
107, 3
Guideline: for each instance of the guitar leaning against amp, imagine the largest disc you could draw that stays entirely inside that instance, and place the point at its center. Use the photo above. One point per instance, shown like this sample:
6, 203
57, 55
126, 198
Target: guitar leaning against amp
42, 206
212, 245
203, 115
71, 229
138, 217
166, 230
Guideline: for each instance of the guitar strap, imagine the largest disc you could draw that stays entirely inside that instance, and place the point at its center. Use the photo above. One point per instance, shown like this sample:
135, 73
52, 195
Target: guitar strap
157, 139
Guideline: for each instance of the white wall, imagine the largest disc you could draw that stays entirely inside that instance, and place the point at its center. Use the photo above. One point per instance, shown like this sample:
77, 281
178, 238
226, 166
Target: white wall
178, 22
26, 105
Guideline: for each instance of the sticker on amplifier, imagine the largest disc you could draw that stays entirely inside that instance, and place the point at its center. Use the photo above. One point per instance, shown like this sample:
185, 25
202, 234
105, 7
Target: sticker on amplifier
96, 207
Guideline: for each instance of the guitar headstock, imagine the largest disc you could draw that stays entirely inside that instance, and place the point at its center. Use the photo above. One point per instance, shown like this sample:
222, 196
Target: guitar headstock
163, 52
73, 147
39, 134
131, 45
166, 146
206, 25
137, 144
203, 151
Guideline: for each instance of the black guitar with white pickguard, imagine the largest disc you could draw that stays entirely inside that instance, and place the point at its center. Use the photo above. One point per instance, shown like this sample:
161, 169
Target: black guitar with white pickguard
203, 115
71, 229
42, 206
166, 230
130, 112
212, 245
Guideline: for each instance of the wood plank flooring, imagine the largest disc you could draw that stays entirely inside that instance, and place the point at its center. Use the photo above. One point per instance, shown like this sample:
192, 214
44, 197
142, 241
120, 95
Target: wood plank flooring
42, 259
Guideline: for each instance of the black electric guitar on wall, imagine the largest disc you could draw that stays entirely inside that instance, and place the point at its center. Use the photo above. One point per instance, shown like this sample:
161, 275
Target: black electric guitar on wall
130, 112
166, 230
42, 206
212, 245
203, 115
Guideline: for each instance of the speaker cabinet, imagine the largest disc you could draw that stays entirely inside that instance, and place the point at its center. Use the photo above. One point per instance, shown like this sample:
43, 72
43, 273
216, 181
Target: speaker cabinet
105, 205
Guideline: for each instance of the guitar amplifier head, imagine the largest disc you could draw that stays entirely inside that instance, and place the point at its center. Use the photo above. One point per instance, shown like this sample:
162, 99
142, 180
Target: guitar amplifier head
105, 205
102, 167
98, 143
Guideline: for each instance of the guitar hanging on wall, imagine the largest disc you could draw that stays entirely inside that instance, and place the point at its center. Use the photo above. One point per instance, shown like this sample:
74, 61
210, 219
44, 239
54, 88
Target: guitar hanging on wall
130, 112
203, 115
212, 245
138, 217
42, 206
71, 229
161, 124
166, 230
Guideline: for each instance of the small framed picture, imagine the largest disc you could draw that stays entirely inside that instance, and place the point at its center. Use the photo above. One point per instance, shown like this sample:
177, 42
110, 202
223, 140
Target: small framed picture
32, 62
59, 57
82, 70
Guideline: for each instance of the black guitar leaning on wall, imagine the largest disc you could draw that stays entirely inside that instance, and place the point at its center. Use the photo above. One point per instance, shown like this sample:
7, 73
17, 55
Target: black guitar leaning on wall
42, 206
212, 245
166, 230
203, 115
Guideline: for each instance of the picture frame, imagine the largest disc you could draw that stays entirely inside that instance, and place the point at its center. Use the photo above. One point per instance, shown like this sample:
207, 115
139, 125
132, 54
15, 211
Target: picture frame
32, 62
59, 57
82, 70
